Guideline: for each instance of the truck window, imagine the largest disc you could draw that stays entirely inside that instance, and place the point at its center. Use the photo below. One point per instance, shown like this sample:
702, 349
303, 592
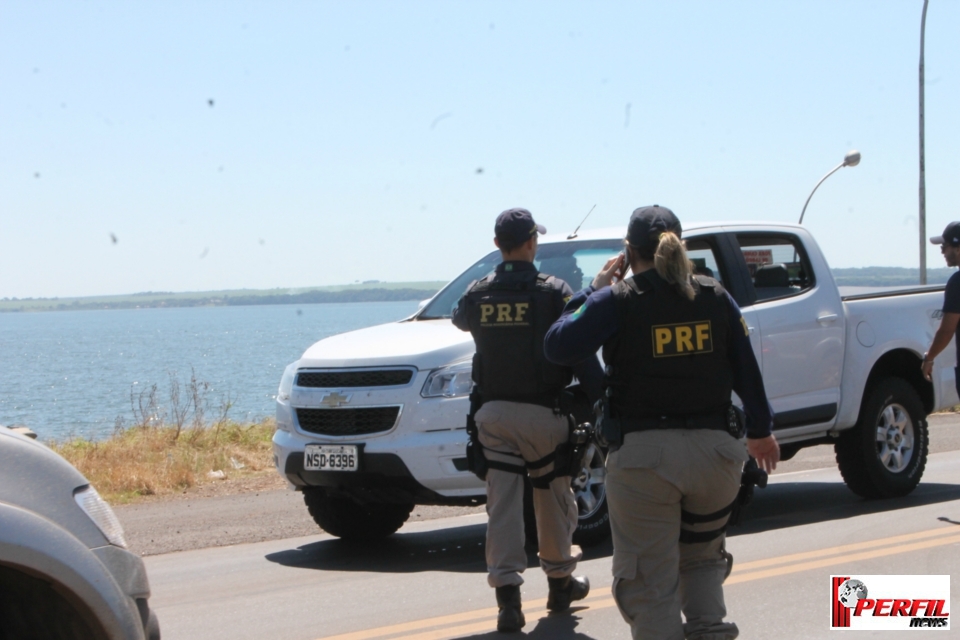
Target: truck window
704, 259
777, 263
575, 262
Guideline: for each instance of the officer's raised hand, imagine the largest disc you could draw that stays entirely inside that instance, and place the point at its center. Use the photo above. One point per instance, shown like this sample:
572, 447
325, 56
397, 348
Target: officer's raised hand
611, 272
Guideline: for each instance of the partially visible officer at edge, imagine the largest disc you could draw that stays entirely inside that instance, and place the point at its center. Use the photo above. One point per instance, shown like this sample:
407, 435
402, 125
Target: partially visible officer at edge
950, 248
676, 346
520, 422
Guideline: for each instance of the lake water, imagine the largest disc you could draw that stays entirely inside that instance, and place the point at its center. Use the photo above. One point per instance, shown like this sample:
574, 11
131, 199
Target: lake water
72, 372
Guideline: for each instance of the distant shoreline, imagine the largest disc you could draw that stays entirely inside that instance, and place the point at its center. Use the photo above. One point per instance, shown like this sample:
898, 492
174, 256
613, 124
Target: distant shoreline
365, 292
374, 291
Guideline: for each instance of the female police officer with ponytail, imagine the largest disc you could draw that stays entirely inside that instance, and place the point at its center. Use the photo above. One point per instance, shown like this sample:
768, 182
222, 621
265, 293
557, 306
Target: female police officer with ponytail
675, 346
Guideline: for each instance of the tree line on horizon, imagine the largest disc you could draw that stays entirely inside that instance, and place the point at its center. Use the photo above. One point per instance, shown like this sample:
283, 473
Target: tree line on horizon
854, 276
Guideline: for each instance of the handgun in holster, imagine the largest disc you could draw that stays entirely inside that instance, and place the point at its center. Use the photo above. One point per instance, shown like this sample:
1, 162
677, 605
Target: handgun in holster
568, 460
608, 431
476, 461
752, 476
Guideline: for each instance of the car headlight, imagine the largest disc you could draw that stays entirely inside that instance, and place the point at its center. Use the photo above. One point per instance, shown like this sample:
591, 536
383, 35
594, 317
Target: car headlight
102, 515
449, 382
286, 382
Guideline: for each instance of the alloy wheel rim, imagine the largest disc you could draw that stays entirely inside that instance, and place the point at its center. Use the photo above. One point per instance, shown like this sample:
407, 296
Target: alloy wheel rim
895, 438
589, 486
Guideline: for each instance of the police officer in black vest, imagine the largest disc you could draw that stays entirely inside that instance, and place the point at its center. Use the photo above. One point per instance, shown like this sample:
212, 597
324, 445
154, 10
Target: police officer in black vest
675, 346
519, 420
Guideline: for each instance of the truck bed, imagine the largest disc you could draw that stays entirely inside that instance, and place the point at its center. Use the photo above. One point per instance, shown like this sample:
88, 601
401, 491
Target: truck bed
866, 293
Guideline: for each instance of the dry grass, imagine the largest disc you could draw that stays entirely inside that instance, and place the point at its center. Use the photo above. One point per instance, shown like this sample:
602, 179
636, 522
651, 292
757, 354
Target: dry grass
160, 460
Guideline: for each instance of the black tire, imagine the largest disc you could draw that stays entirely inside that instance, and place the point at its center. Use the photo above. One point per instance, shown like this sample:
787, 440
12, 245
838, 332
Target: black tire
31, 607
884, 455
593, 526
349, 520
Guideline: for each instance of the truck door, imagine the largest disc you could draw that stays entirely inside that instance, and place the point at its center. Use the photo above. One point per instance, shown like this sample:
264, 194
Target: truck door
800, 326
710, 255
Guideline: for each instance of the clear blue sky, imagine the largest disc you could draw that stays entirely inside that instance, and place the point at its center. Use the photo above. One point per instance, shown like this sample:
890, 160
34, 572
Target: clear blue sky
379, 140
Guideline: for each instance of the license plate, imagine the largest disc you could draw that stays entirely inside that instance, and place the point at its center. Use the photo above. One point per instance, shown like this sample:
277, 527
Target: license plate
330, 457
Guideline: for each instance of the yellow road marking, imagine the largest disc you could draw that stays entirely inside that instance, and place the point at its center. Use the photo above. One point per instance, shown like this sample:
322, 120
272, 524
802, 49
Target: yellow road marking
833, 560
454, 618
489, 625
481, 620
819, 553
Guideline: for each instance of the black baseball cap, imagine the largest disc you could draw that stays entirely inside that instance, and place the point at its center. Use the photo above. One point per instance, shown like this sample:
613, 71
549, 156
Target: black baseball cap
517, 226
646, 225
951, 235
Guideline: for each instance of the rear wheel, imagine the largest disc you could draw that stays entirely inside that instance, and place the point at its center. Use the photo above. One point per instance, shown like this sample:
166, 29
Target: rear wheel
344, 518
589, 489
884, 455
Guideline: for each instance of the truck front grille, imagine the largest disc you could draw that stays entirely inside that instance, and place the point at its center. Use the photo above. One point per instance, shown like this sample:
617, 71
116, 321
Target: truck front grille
348, 422
345, 379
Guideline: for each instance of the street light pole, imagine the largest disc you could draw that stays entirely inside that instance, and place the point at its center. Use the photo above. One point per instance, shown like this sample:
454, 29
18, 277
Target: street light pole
923, 179
852, 159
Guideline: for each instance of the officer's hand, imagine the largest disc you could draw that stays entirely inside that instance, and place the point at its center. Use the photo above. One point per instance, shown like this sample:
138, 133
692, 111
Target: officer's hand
765, 451
608, 273
927, 368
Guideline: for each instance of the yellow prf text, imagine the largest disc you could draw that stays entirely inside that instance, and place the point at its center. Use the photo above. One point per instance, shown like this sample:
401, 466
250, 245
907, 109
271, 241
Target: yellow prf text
685, 338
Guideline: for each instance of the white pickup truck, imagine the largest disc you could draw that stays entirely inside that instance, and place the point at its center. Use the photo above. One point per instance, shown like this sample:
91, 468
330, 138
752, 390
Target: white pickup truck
372, 422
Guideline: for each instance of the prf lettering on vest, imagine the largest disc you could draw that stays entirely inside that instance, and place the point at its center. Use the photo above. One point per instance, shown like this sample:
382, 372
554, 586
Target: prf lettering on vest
504, 313
682, 339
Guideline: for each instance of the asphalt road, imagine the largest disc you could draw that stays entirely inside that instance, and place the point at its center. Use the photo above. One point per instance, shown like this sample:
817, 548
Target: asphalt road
218, 516
428, 581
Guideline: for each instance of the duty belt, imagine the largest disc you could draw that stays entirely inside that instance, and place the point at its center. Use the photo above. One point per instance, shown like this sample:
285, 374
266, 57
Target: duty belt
713, 421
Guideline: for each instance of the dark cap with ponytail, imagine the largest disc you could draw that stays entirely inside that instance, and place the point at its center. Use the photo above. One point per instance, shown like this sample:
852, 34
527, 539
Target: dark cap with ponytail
646, 225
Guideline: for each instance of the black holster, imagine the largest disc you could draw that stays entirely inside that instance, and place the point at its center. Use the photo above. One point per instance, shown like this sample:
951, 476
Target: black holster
736, 421
569, 455
608, 431
476, 461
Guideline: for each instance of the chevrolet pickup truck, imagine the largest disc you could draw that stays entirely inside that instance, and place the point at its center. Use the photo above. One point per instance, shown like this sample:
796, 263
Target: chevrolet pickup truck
372, 422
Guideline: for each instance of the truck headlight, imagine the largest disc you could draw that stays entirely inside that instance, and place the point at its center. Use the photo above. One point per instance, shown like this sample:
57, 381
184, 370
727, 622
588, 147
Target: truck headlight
102, 515
286, 382
449, 382
283, 396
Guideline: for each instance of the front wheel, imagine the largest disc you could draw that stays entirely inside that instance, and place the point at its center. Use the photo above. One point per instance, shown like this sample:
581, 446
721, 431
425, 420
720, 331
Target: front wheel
344, 518
884, 455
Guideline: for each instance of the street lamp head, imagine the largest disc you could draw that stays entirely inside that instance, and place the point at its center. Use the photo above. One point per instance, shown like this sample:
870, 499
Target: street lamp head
852, 159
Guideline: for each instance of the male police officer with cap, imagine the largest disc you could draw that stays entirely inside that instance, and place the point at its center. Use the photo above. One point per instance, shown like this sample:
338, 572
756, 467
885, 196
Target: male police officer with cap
675, 346
520, 422
950, 248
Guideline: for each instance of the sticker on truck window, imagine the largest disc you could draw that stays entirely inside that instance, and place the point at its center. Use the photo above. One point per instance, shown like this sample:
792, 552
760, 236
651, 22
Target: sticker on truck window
758, 256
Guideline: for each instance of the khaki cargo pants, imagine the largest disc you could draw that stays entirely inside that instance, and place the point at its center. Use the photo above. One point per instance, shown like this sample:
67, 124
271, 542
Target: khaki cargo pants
512, 432
650, 479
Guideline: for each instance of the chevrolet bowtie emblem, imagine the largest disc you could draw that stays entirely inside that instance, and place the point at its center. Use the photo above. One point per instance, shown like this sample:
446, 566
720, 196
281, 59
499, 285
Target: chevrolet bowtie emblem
335, 399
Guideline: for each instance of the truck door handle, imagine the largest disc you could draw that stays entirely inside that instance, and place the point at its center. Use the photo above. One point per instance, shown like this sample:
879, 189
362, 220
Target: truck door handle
751, 329
830, 317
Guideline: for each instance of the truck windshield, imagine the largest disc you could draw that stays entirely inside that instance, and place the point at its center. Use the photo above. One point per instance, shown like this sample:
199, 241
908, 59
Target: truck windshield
574, 262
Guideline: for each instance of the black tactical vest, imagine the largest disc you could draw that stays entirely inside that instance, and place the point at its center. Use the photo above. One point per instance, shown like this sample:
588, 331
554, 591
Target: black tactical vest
509, 314
670, 356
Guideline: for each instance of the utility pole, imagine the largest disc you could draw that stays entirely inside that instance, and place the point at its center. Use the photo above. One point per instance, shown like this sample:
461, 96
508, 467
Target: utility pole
923, 182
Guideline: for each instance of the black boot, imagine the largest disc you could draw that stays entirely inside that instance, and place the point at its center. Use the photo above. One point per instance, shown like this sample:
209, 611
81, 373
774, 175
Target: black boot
510, 617
565, 590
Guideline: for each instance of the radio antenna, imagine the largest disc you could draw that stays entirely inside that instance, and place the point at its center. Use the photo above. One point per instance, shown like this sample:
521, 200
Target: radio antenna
574, 234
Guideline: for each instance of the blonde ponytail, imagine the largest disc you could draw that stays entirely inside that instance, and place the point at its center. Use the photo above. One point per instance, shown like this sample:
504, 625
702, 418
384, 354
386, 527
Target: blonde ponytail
673, 265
